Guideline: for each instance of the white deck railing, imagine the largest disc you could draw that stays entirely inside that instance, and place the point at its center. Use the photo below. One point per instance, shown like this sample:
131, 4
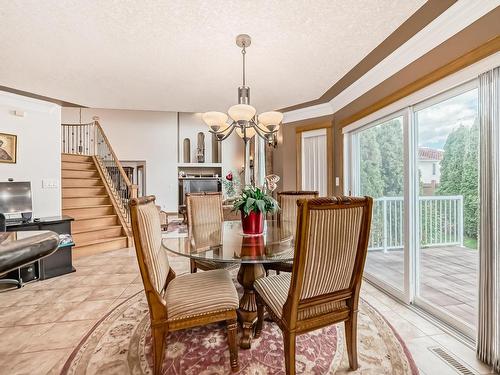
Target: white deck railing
440, 221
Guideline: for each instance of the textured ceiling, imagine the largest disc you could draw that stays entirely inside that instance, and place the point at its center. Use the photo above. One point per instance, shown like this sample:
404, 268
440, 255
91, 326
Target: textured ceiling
180, 55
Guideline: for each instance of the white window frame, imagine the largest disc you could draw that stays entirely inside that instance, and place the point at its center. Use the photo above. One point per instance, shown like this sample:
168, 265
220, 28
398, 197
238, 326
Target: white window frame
351, 158
448, 87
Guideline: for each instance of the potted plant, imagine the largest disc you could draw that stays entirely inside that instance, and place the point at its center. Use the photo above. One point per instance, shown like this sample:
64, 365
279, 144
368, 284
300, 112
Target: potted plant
254, 204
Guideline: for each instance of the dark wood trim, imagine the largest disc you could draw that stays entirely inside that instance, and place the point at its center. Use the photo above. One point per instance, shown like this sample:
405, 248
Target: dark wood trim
62, 103
416, 22
477, 54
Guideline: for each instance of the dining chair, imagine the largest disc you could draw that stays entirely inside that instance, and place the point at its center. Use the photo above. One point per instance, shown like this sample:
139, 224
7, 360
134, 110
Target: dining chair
287, 216
323, 288
204, 212
179, 302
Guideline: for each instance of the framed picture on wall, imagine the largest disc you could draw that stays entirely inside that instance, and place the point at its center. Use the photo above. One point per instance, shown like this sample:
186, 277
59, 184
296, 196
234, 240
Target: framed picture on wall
8, 148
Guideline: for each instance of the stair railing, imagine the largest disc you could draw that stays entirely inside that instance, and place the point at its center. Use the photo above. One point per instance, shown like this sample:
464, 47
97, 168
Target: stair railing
90, 139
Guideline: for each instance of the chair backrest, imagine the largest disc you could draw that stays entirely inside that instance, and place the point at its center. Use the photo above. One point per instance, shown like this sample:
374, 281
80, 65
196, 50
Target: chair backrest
151, 256
287, 201
204, 209
330, 252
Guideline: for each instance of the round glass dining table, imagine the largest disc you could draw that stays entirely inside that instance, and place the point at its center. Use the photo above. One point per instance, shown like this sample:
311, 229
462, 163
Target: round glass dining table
226, 243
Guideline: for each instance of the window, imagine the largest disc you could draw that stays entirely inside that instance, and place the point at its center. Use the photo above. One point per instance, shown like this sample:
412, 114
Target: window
380, 172
314, 161
421, 167
447, 260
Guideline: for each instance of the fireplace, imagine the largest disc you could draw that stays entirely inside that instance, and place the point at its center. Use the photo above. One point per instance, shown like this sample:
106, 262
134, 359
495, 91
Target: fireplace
197, 185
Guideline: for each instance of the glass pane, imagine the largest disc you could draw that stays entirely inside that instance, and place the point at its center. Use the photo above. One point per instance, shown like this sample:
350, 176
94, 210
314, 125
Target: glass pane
448, 151
380, 172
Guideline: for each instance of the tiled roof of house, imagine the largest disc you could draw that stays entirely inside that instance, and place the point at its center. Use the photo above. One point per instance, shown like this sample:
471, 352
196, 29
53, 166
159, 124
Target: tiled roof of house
426, 153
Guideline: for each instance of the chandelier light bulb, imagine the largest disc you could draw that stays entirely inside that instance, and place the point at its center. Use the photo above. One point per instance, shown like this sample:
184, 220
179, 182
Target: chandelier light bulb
215, 120
270, 119
250, 132
242, 112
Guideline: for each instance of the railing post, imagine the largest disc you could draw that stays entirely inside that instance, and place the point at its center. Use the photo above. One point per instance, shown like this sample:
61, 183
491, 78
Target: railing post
460, 223
384, 222
133, 191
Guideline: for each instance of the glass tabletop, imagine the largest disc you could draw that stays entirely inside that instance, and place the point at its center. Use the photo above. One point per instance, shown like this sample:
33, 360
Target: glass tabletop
227, 243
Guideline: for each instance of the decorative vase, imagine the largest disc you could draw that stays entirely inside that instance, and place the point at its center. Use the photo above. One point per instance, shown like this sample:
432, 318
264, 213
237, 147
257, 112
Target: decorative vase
187, 150
200, 150
253, 223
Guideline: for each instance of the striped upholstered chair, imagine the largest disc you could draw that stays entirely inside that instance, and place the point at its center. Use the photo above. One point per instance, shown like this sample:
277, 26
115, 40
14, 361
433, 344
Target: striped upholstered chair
323, 288
288, 218
179, 302
204, 212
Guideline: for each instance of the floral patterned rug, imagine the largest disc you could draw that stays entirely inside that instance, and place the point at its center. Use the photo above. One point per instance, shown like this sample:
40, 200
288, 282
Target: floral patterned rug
120, 344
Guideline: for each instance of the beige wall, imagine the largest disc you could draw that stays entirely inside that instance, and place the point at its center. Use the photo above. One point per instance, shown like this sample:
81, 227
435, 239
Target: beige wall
38, 149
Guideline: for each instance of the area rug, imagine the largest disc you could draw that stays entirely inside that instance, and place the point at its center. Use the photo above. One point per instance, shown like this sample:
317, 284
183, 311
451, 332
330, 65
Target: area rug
120, 344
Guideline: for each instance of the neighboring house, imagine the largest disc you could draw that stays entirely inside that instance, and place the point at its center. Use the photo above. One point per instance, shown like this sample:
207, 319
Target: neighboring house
429, 167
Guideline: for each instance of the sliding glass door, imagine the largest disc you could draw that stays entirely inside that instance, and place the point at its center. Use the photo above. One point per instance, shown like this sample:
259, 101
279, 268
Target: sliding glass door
421, 166
379, 174
448, 204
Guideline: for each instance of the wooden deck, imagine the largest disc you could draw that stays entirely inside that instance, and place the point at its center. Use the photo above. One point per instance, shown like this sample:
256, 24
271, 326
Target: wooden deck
448, 277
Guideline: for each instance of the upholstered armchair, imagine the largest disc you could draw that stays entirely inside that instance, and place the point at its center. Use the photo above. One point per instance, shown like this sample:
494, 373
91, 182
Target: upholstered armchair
288, 220
323, 288
205, 210
179, 302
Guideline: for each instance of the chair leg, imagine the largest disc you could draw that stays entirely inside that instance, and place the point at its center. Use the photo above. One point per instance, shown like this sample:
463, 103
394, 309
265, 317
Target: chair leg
289, 346
351, 338
158, 345
232, 332
192, 264
260, 319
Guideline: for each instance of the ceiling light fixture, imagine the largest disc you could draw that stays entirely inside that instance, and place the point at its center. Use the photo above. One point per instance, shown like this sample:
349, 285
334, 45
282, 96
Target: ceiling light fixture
242, 117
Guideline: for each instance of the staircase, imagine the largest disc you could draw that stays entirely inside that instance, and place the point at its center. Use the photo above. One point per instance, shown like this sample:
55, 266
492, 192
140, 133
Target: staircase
94, 191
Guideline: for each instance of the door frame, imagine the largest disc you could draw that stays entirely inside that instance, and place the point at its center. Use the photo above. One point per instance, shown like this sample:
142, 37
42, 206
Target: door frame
352, 185
411, 278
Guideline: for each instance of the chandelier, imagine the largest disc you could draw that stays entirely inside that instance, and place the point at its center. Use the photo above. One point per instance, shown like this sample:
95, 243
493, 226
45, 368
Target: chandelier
242, 117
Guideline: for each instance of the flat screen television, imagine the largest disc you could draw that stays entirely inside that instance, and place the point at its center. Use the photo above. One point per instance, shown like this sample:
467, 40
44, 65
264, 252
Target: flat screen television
15, 200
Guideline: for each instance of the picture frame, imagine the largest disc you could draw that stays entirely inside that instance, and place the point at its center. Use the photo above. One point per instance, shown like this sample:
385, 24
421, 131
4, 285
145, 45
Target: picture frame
8, 148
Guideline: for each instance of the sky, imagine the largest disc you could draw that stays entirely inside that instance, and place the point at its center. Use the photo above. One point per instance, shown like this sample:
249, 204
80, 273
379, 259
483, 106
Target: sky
439, 120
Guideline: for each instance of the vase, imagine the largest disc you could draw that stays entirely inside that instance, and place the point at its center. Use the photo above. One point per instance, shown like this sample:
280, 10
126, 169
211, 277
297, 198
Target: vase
253, 223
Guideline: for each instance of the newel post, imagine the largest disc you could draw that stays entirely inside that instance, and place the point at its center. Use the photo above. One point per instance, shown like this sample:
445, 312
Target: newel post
133, 191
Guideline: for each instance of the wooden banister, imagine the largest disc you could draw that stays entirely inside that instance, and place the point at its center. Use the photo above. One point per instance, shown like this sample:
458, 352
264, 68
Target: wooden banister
90, 139
131, 186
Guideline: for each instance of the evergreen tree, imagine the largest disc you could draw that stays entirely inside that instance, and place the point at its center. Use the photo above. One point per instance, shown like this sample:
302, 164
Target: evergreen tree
470, 182
452, 162
372, 183
460, 173
390, 141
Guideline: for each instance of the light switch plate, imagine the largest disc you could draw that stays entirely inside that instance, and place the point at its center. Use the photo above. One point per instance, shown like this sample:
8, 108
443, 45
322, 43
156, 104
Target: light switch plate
337, 181
49, 183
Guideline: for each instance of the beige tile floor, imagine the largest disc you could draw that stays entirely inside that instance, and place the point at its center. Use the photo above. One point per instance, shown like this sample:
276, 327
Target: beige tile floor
41, 323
